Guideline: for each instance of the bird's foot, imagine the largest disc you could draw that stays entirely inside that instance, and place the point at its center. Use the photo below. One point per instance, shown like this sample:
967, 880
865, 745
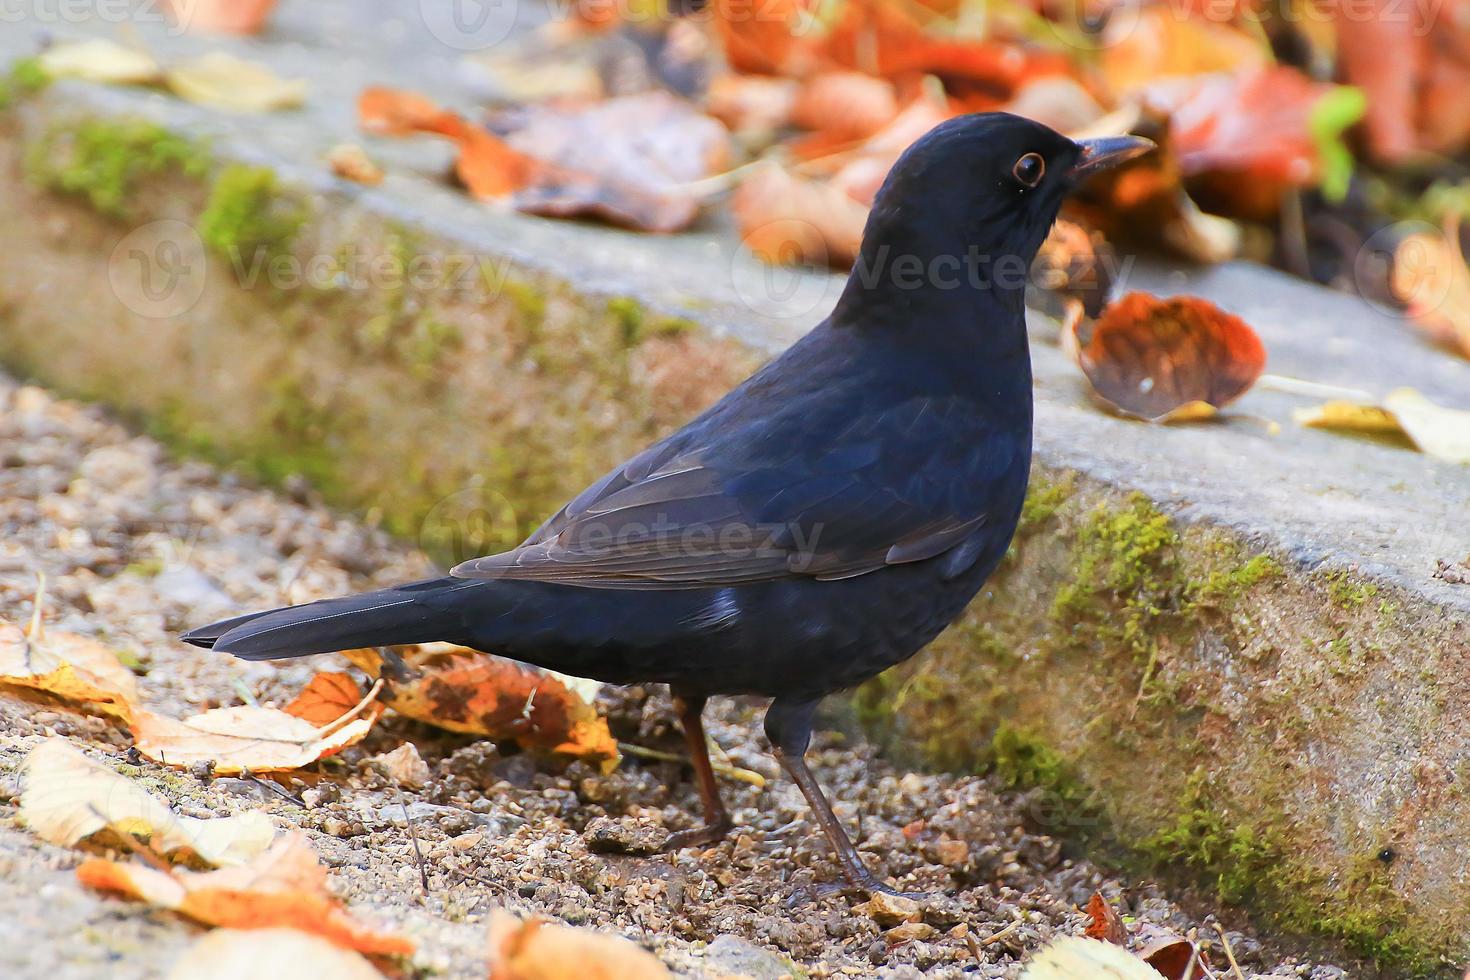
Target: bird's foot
870, 884
699, 837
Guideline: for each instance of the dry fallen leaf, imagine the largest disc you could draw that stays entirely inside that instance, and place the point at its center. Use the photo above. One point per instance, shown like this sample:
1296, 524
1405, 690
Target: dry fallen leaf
538, 950
246, 737
1104, 922
67, 798
281, 954
1431, 279
221, 16
786, 219
99, 60
1074, 958
845, 105
223, 81
462, 690
1443, 433
351, 162
1165, 360
327, 697
71, 668
1175, 957
286, 886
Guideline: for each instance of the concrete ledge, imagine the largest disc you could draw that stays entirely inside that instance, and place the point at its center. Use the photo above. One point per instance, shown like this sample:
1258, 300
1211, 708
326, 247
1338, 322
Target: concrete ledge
1222, 645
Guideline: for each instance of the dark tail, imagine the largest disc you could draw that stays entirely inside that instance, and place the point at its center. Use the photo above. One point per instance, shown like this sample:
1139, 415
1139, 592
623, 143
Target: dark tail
421, 612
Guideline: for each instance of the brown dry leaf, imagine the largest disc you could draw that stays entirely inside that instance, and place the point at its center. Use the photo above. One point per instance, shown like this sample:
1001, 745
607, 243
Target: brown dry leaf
1073, 958
221, 16
751, 103
1159, 43
785, 219
765, 38
223, 81
241, 738
1164, 360
396, 112
1175, 957
538, 950
67, 798
1443, 433
845, 105
286, 886
281, 954
628, 161
1104, 922
1074, 263
66, 666
99, 60
1431, 279
487, 167
462, 690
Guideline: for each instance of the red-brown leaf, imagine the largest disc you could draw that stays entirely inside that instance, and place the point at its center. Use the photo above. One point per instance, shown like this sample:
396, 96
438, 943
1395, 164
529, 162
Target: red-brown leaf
1103, 921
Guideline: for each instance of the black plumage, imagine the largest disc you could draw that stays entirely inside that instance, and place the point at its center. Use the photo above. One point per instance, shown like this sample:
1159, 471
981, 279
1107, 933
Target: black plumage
821, 523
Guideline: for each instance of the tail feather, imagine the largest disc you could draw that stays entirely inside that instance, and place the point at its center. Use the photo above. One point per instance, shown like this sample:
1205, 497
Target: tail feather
412, 613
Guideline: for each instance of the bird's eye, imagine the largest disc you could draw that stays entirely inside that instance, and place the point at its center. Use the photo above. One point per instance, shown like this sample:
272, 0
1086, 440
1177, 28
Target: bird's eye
1029, 169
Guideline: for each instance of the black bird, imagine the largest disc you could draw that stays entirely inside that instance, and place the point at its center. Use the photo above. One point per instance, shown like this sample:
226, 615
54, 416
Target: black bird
822, 522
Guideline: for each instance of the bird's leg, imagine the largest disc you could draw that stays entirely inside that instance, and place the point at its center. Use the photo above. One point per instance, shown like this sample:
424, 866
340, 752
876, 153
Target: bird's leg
789, 727
717, 822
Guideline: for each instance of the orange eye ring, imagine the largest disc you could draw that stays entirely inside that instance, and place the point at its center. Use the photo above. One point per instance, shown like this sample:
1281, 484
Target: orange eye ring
1029, 169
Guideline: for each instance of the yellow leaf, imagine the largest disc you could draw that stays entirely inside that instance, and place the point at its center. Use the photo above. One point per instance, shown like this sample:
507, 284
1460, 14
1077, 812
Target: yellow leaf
99, 60
286, 886
1443, 433
538, 950
73, 668
225, 82
1073, 958
281, 954
258, 739
67, 798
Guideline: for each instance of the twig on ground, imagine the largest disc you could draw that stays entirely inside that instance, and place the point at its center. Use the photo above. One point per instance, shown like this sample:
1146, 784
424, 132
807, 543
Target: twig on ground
996, 937
730, 772
273, 786
1229, 953
413, 837
357, 709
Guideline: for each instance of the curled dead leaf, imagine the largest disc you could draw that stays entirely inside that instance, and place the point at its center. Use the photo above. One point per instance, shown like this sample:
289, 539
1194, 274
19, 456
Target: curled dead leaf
1430, 277
247, 737
71, 668
67, 798
284, 887
534, 949
1164, 360
281, 954
462, 690
1104, 922
786, 219
1175, 957
224, 81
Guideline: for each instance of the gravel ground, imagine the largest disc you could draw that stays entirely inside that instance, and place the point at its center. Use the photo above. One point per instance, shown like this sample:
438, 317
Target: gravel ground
135, 545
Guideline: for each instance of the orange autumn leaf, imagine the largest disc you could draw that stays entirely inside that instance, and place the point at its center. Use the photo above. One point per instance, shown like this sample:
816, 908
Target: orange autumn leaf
535, 949
1159, 43
1166, 360
462, 690
71, 668
327, 697
845, 105
785, 219
286, 886
1431, 278
396, 112
1103, 921
1175, 957
764, 37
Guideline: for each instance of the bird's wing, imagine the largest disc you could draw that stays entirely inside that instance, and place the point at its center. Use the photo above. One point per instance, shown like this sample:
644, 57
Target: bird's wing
677, 517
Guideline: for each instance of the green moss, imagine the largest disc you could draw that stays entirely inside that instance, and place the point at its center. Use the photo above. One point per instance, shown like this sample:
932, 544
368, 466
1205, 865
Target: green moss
1043, 499
630, 317
26, 77
1124, 576
105, 161
1226, 586
1349, 592
246, 216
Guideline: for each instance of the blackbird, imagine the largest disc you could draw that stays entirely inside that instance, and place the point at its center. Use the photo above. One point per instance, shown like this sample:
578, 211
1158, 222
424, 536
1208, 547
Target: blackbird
821, 523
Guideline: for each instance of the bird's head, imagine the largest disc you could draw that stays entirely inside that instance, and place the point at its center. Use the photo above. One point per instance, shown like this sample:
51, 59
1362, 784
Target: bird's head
982, 190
